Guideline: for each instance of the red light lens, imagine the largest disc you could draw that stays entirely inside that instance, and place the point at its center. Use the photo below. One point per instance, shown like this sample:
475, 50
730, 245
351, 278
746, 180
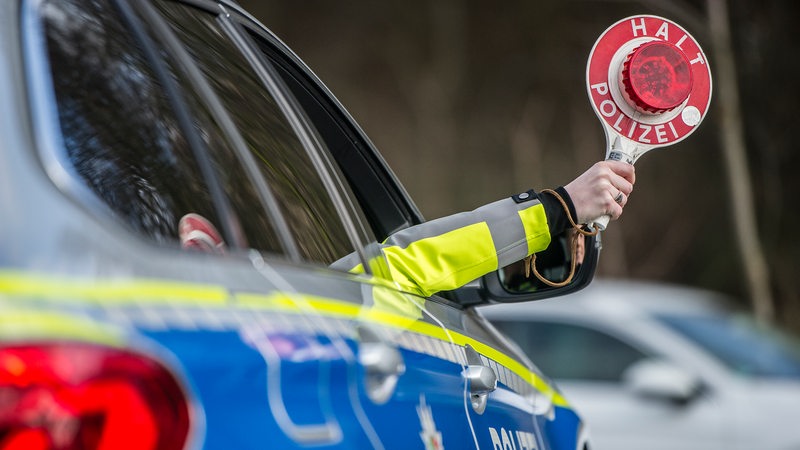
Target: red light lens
70, 396
657, 76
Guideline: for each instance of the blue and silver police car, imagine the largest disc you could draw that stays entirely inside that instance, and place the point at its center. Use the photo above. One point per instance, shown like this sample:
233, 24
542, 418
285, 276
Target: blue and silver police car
175, 184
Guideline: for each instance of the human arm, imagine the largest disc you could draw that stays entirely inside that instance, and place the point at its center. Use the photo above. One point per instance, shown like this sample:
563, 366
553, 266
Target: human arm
446, 253
595, 192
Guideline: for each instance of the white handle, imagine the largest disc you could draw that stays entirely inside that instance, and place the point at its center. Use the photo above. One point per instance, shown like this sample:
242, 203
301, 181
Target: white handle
618, 154
601, 222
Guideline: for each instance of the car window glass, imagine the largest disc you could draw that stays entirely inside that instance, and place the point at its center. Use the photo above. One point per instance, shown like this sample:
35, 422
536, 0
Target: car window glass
364, 175
741, 344
284, 162
565, 351
121, 133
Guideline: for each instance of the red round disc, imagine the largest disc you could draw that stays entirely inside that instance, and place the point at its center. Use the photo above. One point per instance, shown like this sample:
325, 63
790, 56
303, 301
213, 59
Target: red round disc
665, 90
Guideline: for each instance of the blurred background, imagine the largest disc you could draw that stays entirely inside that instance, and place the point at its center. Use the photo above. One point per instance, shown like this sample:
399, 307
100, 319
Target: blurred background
471, 101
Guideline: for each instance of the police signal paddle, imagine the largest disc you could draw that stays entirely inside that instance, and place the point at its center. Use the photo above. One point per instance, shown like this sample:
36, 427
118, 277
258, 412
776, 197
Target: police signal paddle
649, 83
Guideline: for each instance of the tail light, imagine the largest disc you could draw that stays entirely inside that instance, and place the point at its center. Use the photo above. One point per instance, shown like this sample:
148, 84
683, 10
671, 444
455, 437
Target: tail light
74, 396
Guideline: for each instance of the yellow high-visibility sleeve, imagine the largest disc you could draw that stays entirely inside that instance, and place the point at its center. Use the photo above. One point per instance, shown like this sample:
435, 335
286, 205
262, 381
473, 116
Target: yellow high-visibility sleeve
446, 253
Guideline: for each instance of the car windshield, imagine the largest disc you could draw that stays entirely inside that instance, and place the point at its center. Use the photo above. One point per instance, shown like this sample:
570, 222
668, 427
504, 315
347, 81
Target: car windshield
747, 348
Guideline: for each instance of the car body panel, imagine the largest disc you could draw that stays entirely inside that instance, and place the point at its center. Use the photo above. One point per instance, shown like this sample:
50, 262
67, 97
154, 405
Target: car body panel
226, 346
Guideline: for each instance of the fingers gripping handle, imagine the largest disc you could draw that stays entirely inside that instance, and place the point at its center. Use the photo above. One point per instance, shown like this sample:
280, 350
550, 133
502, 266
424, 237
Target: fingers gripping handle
615, 153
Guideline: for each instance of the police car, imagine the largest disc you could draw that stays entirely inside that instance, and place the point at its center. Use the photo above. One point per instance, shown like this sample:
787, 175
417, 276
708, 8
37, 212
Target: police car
175, 184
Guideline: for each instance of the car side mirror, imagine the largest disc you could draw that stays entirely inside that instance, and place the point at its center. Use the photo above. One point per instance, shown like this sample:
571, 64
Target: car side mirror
662, 380
511, 283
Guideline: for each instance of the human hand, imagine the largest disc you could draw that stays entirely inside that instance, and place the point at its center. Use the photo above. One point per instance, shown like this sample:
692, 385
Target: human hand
602, 190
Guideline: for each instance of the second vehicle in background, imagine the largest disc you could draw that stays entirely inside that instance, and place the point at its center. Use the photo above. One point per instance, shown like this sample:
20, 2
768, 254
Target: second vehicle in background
663, 367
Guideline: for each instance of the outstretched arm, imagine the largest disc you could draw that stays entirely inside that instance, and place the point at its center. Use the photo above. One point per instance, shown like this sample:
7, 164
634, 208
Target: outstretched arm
446, 253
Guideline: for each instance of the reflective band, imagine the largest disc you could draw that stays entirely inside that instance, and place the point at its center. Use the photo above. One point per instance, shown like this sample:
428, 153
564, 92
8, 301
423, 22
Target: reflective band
25, 324
538, 236
18, 288
447, 253
111, 291
434, 264
348, 310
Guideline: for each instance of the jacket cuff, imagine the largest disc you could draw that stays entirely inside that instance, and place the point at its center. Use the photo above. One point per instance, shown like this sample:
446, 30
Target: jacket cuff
557, 220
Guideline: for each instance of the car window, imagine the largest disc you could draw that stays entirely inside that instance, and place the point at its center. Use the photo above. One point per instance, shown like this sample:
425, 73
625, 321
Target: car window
300, 191
124, 139
566, 351
366, 176
738, 342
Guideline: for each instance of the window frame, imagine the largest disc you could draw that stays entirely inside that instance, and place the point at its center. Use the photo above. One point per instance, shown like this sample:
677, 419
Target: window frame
312, 143
233, 27
400, 200
274, 52
205, 92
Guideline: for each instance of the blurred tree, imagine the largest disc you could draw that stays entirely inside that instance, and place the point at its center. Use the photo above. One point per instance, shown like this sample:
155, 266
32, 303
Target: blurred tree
739, 185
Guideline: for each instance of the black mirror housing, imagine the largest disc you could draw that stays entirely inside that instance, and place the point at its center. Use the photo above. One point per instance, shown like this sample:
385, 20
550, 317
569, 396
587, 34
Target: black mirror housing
510, 284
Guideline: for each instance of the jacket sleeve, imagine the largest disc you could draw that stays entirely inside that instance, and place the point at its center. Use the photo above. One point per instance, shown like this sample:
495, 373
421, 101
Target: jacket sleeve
446, 253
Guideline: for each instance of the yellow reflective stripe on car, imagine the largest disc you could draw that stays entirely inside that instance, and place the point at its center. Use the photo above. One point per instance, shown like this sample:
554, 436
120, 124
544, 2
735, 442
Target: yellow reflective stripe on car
15, 323
27, 324
434, 264
329, 307
324, 306
538, 236
111, 290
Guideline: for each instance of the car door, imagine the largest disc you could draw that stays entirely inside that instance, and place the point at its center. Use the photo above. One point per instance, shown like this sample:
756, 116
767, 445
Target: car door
590, 360
524, 410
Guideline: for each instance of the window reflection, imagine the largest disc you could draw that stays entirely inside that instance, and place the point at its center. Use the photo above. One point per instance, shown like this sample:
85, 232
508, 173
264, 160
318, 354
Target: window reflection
300, 192
123, 137
119, 131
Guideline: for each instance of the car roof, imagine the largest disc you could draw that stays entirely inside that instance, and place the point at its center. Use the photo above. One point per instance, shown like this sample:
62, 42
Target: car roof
618, 299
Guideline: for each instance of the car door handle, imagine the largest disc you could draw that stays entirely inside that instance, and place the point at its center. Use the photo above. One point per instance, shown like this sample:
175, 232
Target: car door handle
481, 379
381, 358
382, 362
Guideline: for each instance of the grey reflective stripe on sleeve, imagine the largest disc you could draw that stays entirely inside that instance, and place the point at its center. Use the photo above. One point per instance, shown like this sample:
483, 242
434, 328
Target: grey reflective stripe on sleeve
503, 221
431, 228
506, 227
